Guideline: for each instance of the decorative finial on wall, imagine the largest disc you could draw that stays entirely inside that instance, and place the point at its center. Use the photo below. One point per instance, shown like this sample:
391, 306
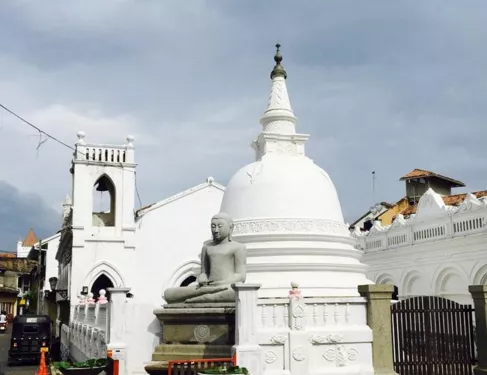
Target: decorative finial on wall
81, 138
102, 299
278, 70
130, 140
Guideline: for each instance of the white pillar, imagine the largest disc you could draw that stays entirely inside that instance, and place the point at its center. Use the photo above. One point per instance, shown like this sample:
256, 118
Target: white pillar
117, 342
247, 348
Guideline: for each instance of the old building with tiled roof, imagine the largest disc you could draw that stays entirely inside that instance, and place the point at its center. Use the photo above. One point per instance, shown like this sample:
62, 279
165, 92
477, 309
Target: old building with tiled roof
13, 275
417, 182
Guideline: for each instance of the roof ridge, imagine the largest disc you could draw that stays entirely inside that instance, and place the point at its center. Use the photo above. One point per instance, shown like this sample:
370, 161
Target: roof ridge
422, 173
209, 182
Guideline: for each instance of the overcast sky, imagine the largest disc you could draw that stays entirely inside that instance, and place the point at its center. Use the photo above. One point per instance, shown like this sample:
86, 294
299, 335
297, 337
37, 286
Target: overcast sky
380, 85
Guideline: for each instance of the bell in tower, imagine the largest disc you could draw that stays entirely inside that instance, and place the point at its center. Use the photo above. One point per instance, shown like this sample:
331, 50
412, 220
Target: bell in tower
102, 185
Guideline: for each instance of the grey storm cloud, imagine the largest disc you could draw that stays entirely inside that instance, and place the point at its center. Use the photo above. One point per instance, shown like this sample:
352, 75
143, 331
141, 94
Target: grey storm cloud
21, 211
384, 86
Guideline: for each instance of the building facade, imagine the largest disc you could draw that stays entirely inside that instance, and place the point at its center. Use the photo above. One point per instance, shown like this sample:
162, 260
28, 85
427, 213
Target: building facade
44, 275
439, 250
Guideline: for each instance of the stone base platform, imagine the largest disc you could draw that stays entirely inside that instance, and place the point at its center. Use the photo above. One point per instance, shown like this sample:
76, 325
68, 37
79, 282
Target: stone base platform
193, 331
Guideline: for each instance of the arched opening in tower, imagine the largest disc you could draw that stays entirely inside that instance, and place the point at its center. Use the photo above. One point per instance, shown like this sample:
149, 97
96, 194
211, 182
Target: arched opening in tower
104, 203
101, 282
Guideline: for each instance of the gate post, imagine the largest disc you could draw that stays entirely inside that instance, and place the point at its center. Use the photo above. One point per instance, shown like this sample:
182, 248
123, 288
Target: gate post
479, 295
379, 320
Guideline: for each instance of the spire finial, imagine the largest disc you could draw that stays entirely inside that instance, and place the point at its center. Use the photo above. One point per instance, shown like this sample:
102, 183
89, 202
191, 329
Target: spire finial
278, 70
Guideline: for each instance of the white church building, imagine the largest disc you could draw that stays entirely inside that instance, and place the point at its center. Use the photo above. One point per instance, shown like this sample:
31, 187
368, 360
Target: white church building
147, 250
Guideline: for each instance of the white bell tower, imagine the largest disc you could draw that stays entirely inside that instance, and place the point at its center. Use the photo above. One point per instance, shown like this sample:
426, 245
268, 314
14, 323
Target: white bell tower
111, 169
103, 240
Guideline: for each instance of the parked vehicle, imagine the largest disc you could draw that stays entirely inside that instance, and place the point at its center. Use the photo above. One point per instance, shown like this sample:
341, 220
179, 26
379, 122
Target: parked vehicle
30, 335
3, 322
3, 327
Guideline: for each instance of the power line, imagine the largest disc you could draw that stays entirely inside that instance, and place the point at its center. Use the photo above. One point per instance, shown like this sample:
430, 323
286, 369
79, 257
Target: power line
37, 128
61, 143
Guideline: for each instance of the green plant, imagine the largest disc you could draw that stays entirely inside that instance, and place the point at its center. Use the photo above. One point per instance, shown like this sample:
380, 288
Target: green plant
90, 363
226, 370
28, 296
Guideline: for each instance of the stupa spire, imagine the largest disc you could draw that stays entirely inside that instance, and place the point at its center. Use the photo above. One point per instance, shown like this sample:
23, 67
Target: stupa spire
279, 116
278, 136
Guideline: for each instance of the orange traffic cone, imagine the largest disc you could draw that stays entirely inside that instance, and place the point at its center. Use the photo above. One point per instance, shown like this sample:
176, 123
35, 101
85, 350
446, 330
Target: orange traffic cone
42, 370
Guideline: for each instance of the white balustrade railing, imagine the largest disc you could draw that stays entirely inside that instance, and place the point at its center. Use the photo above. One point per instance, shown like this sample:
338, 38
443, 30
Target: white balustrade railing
432, 222
295, 334
87, 334
110, 154
104, 153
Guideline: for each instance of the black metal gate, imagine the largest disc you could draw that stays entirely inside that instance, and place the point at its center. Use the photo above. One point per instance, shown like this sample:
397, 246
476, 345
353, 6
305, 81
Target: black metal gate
432, 336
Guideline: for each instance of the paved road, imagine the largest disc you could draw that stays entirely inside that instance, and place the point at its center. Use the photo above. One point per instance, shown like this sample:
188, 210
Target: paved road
14, 370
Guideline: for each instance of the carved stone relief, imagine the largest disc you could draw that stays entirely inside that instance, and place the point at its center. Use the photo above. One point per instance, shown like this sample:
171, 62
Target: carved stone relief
299, 353
278, 339
295, 226
270, 357
285, 148
340, 355
201, 333
299, 315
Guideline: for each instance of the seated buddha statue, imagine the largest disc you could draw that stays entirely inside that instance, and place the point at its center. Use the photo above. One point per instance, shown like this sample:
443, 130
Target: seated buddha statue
222, 264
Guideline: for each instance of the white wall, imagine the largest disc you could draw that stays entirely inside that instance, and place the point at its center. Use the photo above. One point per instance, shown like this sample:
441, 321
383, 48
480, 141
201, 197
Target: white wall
169, 241
439, 251
52, 265
444, 268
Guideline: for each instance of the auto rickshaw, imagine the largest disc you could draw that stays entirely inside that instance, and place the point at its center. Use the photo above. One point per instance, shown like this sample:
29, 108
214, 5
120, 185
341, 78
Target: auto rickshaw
30, 335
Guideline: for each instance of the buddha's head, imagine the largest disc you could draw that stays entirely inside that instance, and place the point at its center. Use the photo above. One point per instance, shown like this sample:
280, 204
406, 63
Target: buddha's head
221, 227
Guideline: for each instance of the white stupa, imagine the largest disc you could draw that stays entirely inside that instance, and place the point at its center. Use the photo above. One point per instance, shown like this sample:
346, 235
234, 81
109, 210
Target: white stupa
286, 210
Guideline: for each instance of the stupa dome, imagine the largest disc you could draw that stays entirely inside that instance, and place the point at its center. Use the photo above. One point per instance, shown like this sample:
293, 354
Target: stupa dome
284, 187
286, 210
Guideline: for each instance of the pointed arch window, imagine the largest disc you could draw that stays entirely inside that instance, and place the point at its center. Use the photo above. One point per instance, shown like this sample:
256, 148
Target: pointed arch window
101, 282
104, 203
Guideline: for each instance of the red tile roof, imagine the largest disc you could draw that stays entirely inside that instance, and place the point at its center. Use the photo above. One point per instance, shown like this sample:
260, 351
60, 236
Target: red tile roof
30, 240
450, 200
421, 173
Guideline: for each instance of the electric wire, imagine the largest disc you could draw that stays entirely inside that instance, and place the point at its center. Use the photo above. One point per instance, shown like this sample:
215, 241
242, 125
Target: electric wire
48, 135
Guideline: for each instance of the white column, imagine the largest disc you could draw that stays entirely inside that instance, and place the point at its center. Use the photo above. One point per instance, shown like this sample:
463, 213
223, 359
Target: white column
116, 340
298, 337
247, 348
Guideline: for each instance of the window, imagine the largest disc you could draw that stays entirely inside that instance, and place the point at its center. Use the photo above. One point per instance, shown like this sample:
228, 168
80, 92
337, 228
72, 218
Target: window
26, 279
30, 329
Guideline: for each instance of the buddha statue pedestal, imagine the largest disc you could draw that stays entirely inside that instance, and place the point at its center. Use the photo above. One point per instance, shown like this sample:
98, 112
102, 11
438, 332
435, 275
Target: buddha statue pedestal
193, 331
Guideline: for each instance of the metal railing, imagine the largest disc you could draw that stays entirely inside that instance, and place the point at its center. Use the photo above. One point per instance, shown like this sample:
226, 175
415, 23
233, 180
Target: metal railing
192, 366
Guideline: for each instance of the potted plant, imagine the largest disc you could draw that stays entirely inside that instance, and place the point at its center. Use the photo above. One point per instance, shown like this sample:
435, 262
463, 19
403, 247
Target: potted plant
224, 370
89, 367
